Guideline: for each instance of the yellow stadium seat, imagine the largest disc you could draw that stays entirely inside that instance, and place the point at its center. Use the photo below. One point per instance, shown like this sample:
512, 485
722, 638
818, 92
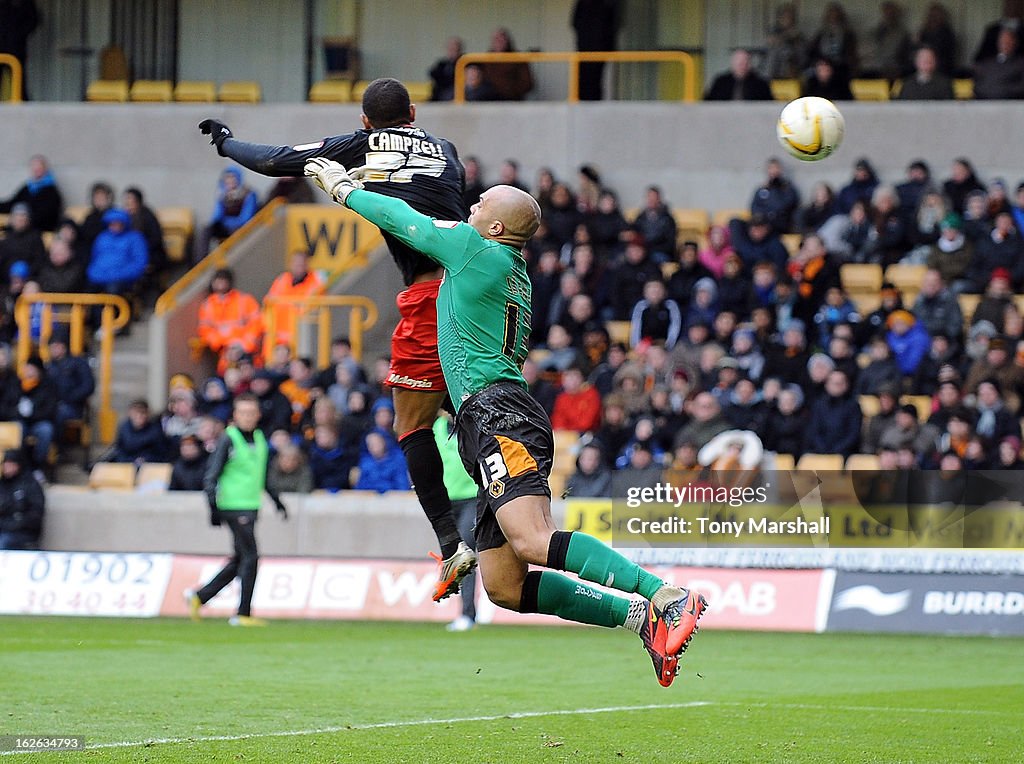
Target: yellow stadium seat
870, 90
923, 404
154, 475
358, 88
867, 303
77, 212
196, 91
618, 331
691, 224
861, 278
10, 435
784, 462
668, 270
330, 91
963, 88
242, 91
906, 278
1018, 301
153, 91
112, 476
968, 304
107, 91
821, 462
858, 462
177, 224
722, 217
868, 405
419, 91
785, 90
792, 241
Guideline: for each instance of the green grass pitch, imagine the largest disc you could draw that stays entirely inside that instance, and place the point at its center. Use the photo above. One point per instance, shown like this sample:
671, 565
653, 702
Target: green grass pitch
174, 691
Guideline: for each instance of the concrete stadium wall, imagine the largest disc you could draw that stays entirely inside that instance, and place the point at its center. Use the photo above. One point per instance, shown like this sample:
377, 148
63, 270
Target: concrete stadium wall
349, 524
703, 155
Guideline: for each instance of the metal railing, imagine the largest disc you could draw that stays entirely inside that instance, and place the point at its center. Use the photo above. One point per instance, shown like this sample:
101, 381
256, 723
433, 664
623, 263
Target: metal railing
6, 59
574, 59
114, 314
317, 310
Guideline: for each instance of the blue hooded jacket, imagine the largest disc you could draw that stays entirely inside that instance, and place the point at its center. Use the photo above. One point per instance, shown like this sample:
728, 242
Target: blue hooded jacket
118, 259
233, 216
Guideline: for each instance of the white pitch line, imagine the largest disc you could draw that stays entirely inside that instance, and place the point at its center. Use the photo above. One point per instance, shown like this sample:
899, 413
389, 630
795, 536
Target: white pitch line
381, 725
880, 709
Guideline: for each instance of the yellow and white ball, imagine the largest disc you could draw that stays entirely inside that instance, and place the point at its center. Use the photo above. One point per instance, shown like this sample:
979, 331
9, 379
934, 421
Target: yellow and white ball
810, 128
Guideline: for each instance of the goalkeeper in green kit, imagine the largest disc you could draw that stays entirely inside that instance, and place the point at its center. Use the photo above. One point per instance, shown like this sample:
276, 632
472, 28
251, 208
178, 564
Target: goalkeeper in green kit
505, 441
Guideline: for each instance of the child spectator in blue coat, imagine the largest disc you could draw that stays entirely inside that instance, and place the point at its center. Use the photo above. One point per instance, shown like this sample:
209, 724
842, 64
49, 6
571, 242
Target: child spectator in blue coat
382, 468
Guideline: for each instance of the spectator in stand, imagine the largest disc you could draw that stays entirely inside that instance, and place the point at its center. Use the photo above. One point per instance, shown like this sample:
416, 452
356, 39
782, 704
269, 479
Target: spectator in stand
836, 40
545, 186
785, 423
546, 281
17, 277
642, 471
925, 227
442, 73
580, 319
119, 256
644, 436
477, 88
719, 247
562, 215
704, 303
40, 193
951, 255
589, 189
927, 83
561, 353
787, 48
998, 202
656, 226
706, 422
734, 288
36, 409
592, 478
1003, 250
834, 423
936, 33
788, 359
745, 409
275, 409
354, 424
1008, 457
908, 339
596, 24
913, 190
943, 353
813, 274
229, 318
888, 54
344, 383
140, 438
755, 241
181, 418
995, 418
382, 466
962, 182
214, 399
849, 237
838, 308
616, 430
740, 83
998, 364
861, 186
655, 318
626, 282
827, 81
508, 175
22, 503
474, 181
822, 207
297, 282
289, 471
341, 355
689, 272
507, 81
101, 198
578, 405
330, 463
144, 220
190, 466
592, 275
72, 377
602, 376
607, 226
998, 297
542, 390
235, 206
937, 308
22, 241
882, 372
888, 244
61, 272
906, 432
1001, 76
881, 421
1012, 20
298, 388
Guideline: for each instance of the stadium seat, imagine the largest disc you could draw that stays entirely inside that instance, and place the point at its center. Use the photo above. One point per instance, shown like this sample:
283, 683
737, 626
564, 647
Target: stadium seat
618, 331
196, 91
47, 237
10, 435
858, 462
785, 90
923, 404
565, 451
177, 224
243, 91
868, 405
153, 91
1018, 300
963, 88
821, 462
154, 475
107, 91
861, 278
906, 278
419, 91
792, 241
866, 303
77, 212
330, 91
968, 304
784, 462
358, 88
691, 224
112, 476
870, 90
722, 217
668, 270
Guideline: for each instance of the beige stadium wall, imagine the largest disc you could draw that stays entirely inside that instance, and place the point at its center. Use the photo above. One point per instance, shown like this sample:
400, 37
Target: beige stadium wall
703, 155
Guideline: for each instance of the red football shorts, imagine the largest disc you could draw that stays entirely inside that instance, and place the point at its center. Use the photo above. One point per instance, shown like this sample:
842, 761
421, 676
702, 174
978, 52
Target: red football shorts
414, 361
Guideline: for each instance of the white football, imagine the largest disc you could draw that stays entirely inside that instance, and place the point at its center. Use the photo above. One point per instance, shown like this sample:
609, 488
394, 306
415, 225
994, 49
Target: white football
810, 128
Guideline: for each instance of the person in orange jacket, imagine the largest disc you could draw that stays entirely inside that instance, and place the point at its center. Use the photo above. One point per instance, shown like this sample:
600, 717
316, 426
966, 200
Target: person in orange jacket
297, 281
229, 317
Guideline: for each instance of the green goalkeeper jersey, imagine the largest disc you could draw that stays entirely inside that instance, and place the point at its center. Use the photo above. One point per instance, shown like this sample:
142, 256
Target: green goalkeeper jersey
483, 307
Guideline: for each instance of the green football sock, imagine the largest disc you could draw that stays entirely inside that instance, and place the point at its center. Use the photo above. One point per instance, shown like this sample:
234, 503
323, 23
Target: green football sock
560, 595
592, 560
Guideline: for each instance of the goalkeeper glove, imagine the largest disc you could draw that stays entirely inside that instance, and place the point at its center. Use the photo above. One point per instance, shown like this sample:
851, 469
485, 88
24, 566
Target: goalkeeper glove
332, 178
218, 132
